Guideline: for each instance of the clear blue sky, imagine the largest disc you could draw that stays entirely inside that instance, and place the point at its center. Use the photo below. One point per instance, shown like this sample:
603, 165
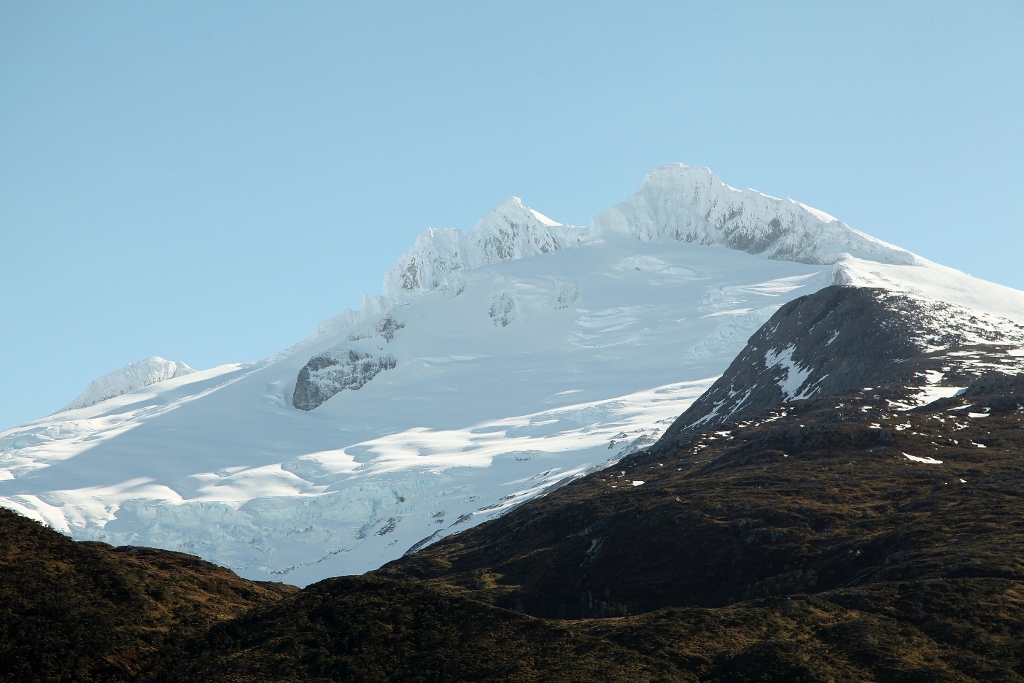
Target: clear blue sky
208, 181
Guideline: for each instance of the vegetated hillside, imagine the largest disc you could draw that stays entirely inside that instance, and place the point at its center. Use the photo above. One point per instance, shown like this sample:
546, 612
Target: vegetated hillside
90, 612
804, 545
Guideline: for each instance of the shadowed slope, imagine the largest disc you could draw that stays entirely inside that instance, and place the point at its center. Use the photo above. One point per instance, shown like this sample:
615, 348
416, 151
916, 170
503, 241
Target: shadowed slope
87, 611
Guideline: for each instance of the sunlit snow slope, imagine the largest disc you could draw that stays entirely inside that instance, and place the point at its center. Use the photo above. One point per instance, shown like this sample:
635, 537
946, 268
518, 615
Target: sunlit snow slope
497, 364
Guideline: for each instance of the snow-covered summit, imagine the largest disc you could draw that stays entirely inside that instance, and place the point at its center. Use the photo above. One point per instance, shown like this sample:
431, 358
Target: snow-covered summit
692, 204
509, 232
674, 202
129, 378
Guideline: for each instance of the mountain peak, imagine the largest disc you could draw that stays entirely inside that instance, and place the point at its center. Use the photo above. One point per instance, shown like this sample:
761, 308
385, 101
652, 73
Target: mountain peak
674, 202
692, 204
510, 231
514, 208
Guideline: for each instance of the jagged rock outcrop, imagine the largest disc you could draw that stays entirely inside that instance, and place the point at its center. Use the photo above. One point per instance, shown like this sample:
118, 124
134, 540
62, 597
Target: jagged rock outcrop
846, 338
503, 310
388, 326
336, 370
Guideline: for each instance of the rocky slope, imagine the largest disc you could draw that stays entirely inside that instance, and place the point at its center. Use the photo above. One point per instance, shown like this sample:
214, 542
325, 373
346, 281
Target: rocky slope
841, 339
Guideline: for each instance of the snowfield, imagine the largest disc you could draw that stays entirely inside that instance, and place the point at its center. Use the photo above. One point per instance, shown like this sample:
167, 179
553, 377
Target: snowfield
497, 364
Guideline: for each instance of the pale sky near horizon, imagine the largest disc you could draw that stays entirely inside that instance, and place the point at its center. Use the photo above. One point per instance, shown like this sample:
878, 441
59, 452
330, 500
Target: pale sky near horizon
208, 181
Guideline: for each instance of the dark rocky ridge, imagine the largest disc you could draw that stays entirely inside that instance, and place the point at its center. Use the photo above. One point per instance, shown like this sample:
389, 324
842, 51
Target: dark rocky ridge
844, 338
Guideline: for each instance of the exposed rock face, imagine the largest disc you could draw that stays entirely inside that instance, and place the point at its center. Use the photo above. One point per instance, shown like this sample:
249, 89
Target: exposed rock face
336, 370
502, 310
385, 327
388, 325
567, 294
842, 339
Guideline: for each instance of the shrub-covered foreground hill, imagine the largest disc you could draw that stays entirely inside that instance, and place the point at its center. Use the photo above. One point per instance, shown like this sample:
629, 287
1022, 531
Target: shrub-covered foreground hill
90, 612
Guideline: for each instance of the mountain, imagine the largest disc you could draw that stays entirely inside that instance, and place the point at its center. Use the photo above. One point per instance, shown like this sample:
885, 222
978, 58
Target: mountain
864, 533
858, 535
498, 365
841, 503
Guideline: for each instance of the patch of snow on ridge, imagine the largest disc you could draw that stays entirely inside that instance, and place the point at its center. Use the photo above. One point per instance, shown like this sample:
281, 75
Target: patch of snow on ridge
925, 460
544, 219
129, 378
821, 215
931, 391
795, 375
932, 281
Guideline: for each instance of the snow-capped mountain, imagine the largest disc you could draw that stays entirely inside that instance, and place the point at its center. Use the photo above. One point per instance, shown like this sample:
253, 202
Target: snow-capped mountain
497, 364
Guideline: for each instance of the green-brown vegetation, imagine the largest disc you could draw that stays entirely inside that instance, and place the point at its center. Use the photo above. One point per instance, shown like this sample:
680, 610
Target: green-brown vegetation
90, 612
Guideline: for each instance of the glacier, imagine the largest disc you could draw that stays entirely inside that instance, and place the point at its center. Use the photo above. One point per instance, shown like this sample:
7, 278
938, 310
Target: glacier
508, 360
